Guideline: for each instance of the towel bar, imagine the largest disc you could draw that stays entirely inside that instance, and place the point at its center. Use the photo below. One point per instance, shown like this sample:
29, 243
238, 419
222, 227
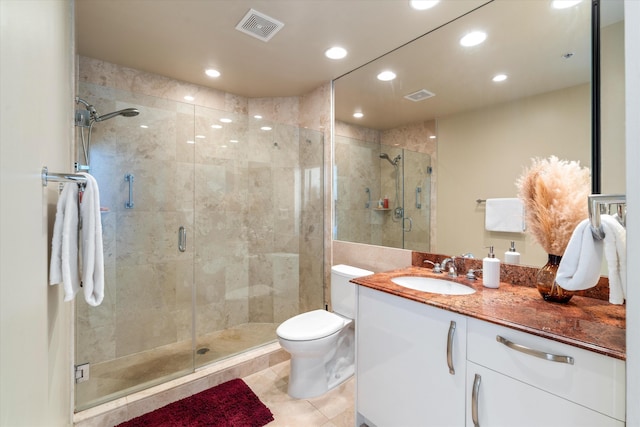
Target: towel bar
599, 201
61, 177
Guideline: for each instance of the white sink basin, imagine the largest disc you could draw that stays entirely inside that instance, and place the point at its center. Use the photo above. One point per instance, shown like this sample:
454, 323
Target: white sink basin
433, 285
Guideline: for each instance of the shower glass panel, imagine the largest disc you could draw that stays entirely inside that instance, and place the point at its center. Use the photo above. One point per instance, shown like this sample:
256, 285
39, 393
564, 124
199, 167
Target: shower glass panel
406, 182
258, 238
251, 203
141, 334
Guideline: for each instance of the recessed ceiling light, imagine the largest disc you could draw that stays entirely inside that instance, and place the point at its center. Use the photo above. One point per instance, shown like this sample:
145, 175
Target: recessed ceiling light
216, 126
266, 128
335, 52
144, 126
257, 116
564, 4
423, 4
191, 142
432, 137
200, 136
212, 73
358, 115
499, 77
225, 120
386, 76
473, 38
189, 98
235, 141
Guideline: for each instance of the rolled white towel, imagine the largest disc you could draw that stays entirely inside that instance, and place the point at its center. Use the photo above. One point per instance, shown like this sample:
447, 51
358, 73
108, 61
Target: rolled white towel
581, 263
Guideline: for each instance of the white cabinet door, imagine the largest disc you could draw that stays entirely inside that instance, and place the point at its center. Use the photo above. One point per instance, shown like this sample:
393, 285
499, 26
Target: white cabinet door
501, 401
403, 376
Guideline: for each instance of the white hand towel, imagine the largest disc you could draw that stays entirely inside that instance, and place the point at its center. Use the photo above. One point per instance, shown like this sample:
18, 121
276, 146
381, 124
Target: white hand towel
506, 214
580, 265
92, 250
64, 244
615, 244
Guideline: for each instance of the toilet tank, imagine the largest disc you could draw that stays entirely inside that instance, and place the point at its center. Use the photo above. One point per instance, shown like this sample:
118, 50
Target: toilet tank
343, 292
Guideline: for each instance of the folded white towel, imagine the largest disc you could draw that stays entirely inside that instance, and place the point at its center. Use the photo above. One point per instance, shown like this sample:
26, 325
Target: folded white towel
64, 245
505, 214
581, 263
92, 250
615, 244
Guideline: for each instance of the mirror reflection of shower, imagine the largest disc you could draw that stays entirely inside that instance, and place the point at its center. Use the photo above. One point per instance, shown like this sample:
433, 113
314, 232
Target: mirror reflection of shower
86, 118
397, 209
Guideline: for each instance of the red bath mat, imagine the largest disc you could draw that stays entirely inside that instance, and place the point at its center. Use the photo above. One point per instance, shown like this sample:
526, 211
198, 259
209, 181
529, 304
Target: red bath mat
231, 404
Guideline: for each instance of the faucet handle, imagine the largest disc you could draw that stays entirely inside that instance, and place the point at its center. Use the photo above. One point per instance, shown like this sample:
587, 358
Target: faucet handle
436, 266
471, 274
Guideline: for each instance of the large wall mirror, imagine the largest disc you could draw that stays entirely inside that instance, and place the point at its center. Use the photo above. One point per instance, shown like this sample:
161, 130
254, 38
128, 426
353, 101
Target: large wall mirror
443, 134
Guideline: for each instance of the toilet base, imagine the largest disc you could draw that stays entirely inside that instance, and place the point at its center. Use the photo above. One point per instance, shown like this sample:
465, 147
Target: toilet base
313, 377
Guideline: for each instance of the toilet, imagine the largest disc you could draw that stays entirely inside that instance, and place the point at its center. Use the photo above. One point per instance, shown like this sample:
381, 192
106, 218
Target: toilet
322, 343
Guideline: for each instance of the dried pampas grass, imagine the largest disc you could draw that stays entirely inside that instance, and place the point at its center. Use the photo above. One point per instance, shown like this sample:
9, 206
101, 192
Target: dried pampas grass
554, 193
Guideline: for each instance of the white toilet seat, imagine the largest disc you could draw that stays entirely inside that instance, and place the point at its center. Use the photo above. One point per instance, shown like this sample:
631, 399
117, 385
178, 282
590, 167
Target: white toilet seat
311, 325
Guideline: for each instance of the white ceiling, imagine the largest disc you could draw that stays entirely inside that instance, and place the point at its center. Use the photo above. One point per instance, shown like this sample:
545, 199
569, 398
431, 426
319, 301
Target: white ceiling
181, 38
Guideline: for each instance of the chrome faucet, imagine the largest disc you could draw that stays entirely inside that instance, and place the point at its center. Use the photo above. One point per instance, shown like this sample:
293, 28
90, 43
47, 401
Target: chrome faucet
453, 271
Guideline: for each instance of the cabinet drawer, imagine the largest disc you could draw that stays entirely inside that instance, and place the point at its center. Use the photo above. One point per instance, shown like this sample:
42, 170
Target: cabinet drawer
589, 379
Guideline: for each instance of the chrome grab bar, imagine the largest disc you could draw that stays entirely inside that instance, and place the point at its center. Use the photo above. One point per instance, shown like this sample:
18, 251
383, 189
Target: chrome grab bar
535, 353
450, 335
474, 400
129, 178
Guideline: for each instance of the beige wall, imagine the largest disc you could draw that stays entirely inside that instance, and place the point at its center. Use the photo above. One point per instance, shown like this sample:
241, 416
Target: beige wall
482, 153
612, 110
37, 129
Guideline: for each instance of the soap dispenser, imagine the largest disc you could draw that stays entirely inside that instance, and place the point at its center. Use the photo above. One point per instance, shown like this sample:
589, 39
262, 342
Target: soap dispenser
512, 256
491, 270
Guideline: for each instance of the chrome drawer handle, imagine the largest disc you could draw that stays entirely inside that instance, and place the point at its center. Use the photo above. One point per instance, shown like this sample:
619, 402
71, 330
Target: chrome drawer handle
452, 331
474, 400
535, 353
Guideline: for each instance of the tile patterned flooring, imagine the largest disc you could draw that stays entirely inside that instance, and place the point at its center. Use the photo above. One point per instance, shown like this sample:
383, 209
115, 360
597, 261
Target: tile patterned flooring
333, 409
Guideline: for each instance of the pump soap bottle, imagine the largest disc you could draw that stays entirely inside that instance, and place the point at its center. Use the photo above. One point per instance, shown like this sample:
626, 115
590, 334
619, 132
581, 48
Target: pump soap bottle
512, 256
491, 270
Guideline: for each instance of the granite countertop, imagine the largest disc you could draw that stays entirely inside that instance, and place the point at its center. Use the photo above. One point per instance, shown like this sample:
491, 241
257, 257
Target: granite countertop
584, 322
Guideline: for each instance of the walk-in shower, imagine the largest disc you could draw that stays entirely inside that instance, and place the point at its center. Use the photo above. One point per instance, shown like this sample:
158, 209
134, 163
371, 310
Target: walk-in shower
252, 212
86, 118
363, 174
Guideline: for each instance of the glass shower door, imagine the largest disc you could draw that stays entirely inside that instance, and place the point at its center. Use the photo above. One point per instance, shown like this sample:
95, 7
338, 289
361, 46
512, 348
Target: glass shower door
142, 333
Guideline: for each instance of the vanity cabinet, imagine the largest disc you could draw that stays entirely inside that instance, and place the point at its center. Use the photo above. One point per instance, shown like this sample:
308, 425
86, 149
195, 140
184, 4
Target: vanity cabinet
500, 376
410, 362
514, 378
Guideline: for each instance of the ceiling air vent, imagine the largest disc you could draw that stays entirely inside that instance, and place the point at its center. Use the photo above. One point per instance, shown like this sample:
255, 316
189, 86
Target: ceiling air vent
420, 95
259, 25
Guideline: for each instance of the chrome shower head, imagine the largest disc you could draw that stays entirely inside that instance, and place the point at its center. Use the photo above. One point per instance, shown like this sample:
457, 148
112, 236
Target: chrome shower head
394, 162
127, 112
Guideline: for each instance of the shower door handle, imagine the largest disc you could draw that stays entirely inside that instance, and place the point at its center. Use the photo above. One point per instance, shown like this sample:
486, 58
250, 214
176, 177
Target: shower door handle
182, 239
418, 202
406, 230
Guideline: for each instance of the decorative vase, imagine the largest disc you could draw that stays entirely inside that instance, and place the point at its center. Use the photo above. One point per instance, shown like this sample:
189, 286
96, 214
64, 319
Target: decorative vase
546, 282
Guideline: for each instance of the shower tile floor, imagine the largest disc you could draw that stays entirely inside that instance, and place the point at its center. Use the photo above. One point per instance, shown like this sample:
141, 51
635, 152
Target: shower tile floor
114, 378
